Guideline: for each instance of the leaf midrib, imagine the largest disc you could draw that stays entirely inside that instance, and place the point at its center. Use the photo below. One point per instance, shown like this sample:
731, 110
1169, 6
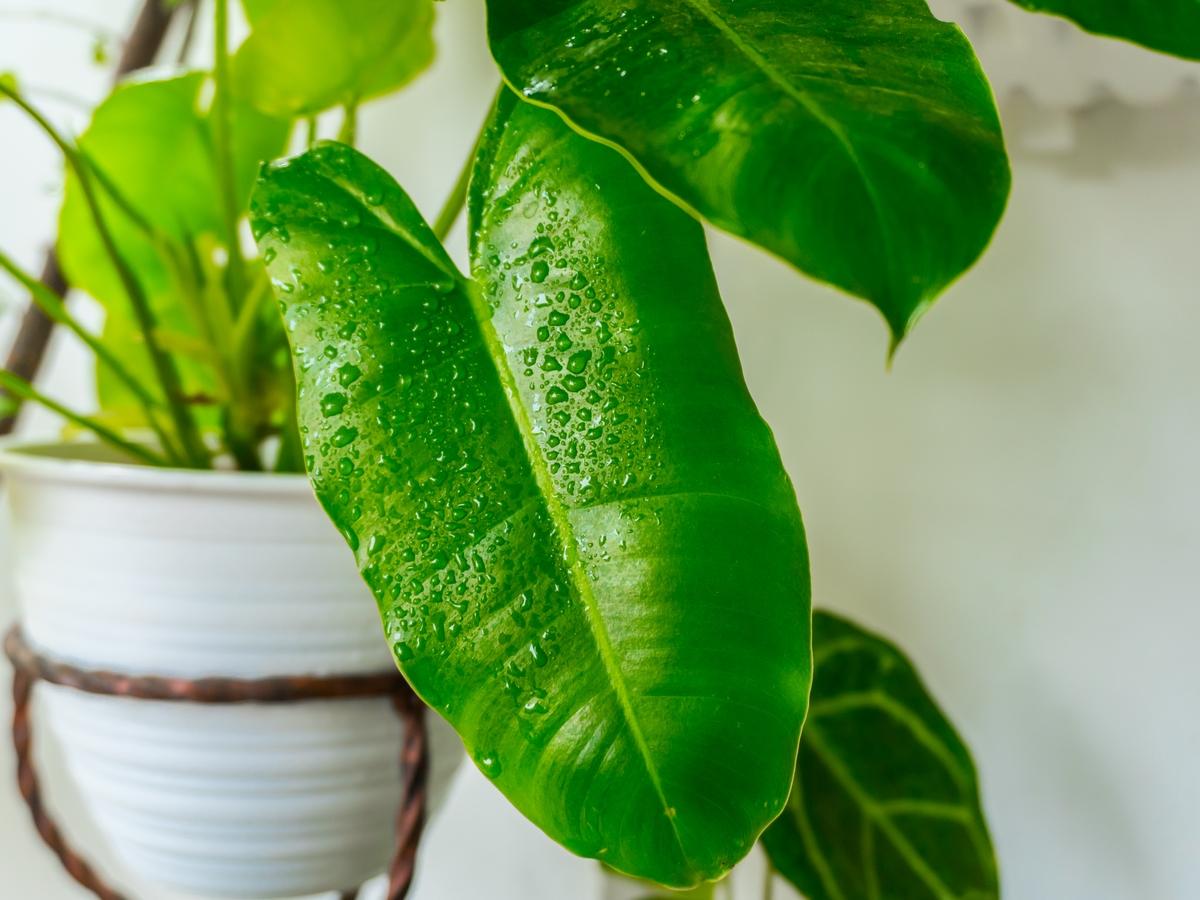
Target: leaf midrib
560, 520
555, 509
760, 62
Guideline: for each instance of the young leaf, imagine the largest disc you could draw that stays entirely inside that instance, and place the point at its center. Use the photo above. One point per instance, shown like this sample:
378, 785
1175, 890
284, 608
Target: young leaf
857, 140
585, 549
153, 142
885, 802
1172, 26
305, 56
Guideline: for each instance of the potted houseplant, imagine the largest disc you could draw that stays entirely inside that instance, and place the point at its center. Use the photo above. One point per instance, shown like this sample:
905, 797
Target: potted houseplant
183, 541
584, 548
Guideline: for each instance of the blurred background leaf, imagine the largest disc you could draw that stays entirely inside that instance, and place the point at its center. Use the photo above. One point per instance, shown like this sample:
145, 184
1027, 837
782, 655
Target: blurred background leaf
152, 140
305, 56
885, 803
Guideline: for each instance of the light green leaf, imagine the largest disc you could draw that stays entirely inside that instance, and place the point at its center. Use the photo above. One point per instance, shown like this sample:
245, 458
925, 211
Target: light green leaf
256, 9
586, 552
885, 803
9, 406
305, 56
153, 141
1172, 26
857, 139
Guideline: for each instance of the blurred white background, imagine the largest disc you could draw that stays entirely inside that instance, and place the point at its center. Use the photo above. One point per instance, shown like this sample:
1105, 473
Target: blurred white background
1017, 502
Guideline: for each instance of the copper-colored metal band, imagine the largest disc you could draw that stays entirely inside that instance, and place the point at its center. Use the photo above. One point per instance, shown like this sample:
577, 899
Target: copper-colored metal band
30, 667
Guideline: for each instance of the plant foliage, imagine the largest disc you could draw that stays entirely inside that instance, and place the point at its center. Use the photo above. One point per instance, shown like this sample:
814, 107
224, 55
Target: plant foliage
885, 802
576, 524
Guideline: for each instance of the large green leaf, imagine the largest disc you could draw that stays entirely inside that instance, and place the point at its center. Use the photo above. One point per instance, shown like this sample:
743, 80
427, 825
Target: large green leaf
304, 56
152, 139
857, 139
1172, 26
885, 803
585, 549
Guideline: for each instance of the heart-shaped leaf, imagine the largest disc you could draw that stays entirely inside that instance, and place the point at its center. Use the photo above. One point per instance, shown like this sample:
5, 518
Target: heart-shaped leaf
856, 139
885, 802
305, 56
1172, 26
585, 549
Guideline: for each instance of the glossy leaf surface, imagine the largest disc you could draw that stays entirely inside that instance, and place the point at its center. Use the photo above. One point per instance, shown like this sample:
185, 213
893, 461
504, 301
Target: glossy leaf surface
1172, 26
586, 552
305, 56
885, 803
857, 140
153, 140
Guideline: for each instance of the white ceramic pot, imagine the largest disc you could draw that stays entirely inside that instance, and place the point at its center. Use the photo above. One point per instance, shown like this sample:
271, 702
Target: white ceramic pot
145, 571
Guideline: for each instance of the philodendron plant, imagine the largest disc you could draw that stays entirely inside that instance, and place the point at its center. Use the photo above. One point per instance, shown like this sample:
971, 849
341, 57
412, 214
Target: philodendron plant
586, 552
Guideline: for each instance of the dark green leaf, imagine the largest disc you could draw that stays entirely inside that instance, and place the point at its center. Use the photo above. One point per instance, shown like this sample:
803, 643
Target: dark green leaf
586, 551
856, 139
1172, 26
153, 141
304, 56
885, 803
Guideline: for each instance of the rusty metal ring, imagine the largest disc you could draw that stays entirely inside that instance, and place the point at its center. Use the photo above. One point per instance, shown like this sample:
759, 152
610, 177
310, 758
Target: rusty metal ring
30, 667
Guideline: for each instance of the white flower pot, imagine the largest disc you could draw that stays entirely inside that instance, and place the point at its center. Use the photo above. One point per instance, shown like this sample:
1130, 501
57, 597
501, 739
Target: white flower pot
174, 573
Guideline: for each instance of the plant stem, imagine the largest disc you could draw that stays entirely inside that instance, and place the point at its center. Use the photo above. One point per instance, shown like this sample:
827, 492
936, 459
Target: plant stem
455, 202
457, 199
189, 34
29, 348
769, 881
291, 451
223, 140
18, 387
53, 307
310, 136
349, 130
164, 366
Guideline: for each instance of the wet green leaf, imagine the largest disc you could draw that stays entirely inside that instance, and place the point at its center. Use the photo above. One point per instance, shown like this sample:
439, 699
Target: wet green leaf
305, 56
586, 552
857, 140
885, 803
1172, 26
153, 140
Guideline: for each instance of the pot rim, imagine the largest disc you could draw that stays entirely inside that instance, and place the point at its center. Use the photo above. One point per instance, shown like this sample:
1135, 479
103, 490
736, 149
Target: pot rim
92, 464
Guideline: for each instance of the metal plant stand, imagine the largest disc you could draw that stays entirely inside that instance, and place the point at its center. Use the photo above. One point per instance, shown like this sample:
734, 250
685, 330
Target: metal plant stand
29, 667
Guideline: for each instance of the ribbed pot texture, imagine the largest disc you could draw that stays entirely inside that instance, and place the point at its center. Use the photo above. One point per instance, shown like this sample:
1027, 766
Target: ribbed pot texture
154, 572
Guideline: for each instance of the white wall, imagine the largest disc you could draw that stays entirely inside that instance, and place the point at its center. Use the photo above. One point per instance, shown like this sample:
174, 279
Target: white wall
1015, 503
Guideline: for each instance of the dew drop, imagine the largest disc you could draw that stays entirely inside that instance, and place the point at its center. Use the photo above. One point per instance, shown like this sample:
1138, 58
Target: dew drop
333, 404
578, 362
344, 436
489, 764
